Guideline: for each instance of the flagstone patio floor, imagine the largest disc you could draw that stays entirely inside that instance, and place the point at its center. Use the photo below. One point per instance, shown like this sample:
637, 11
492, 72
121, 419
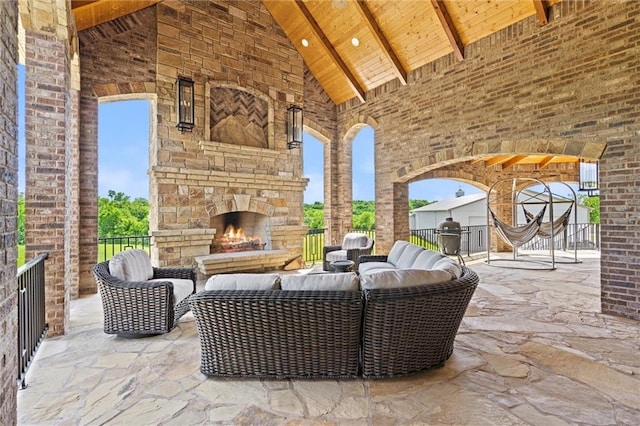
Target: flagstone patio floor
532, 349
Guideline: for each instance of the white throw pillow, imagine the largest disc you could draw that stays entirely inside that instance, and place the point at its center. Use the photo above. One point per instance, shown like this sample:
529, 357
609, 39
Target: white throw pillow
409, 256
131, 265
400, 278
449, 265
427, 259
354, 240
396, 251
243, 282
347, 281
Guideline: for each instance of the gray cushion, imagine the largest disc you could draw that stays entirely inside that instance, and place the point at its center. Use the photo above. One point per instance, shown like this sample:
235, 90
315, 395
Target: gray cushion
427, 259
181, 288
396, 251
131, 265
400, 278
367, 266
449, 265
336, 255
243, 282
409, 256
347, 281
354, 240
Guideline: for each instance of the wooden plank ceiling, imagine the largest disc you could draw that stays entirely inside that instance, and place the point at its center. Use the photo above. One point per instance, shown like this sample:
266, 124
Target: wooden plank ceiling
354, 46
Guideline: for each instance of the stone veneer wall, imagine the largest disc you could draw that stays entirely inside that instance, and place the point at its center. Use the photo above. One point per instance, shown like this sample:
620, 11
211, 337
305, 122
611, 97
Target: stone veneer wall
568, 88
231, 44
8, 212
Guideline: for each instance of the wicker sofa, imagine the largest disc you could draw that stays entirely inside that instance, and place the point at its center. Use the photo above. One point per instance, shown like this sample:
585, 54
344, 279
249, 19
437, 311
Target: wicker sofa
351, 328
139, 299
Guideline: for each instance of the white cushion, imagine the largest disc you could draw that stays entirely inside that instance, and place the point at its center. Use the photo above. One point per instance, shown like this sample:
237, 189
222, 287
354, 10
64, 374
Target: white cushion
367, 266
409, 256
396, 251
131, 265
347, 281
336, 255
427, 259
243, 282
354, 240
400, 278
181, 288
449, 265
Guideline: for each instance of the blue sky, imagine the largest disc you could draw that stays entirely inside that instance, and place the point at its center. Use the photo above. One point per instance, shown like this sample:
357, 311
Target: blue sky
123, 156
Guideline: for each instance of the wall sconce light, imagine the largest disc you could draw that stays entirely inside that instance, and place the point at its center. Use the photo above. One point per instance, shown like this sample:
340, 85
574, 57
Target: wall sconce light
589, 181
294, 126
185, 104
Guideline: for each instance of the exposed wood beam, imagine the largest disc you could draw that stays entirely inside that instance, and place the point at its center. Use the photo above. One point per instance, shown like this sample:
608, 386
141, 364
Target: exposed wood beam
546, 160
513, 161
91, 13
449, 28
381, 40
326, 44
497, 160
541, 11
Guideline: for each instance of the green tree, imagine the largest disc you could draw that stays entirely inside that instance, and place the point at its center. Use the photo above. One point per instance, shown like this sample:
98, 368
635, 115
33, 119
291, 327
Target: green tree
365, 220
20, 218
414, 204
594, 207
118, 216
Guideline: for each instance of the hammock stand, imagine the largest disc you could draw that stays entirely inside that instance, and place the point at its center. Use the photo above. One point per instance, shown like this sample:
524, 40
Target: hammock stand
519, 234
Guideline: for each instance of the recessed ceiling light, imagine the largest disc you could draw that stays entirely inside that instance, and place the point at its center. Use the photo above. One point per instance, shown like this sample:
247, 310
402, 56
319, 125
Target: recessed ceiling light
355, 41
305, 42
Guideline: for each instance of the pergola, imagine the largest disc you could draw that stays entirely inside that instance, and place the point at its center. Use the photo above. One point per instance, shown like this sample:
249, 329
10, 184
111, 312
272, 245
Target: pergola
474, 91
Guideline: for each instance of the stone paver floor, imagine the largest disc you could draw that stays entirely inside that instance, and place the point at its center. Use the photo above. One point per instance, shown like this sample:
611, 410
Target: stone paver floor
532, 349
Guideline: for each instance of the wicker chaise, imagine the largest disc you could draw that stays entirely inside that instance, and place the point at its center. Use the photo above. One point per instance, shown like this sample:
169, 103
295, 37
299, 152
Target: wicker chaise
407, 330
144, 307
278, 334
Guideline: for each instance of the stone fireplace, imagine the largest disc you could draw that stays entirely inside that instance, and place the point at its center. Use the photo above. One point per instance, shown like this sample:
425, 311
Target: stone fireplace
240, 177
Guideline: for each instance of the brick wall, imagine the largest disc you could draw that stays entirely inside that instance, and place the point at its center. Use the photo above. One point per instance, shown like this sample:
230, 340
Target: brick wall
8, 211
573, 82
46, 88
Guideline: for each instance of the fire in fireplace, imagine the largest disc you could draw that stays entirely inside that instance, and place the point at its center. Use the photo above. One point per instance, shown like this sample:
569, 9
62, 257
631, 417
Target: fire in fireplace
240, 233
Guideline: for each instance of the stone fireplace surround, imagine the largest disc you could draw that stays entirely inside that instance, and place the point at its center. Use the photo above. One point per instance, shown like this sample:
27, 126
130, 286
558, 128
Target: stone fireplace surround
239, 179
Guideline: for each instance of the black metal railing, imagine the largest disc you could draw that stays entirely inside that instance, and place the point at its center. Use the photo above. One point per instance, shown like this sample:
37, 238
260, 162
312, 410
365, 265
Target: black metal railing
31, 320
312, 250
581, 236
109, 246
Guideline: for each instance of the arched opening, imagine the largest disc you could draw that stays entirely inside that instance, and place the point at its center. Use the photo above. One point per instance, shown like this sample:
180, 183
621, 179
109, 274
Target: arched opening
363, 180
123, 182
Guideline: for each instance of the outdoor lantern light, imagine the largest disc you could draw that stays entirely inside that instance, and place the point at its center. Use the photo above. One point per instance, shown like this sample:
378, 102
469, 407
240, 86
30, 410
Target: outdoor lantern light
588, 177
186, 104
294, 126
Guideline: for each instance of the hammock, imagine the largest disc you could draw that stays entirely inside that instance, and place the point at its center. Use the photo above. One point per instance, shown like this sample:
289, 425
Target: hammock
516, 236
559, 225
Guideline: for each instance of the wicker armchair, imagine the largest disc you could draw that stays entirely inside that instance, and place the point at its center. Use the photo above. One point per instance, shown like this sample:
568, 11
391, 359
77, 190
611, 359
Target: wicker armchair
407, 330
353, 246
144, 307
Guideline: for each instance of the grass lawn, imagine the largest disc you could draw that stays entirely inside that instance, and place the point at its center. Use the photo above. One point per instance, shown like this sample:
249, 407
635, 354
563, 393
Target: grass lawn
105, 251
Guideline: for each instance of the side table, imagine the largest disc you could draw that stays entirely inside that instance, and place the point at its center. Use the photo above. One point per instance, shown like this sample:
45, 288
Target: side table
342, 265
